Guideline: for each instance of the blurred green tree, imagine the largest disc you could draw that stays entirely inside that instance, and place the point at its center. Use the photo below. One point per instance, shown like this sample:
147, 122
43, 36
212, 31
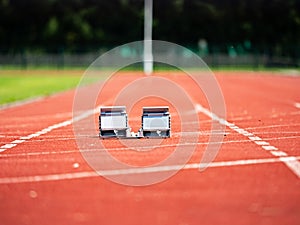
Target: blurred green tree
82, 25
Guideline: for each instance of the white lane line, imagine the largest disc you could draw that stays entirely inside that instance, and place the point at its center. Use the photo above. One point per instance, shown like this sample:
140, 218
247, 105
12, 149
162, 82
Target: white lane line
274, 126
21, 102
297, 105
255, 138
263, 143
7, 146
269, 147
279, 153
46, 130
142, 170
294, 167
17, 141
292, 163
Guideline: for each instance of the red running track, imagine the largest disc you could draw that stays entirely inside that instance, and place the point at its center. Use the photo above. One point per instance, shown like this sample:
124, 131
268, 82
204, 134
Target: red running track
254, 179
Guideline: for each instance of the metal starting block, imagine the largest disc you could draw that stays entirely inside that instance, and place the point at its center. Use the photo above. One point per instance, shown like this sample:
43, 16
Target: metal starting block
156, 122
113, 123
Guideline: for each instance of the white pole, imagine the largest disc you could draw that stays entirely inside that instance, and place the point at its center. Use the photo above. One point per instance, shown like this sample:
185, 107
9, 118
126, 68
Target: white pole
148, 56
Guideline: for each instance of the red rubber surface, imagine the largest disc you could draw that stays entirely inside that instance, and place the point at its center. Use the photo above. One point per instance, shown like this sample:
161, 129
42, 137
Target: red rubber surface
264, 104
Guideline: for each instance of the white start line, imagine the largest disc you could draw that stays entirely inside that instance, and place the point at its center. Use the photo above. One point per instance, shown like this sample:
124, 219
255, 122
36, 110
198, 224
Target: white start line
137, 170
293, 165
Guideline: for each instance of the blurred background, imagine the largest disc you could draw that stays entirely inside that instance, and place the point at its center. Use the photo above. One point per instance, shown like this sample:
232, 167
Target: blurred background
72, 33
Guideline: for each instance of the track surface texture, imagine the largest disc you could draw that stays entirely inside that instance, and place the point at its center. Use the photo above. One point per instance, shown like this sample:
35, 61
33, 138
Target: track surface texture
254, 179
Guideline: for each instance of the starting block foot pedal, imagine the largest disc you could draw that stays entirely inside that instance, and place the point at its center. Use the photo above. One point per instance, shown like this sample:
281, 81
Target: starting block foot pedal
156, 122
113, 122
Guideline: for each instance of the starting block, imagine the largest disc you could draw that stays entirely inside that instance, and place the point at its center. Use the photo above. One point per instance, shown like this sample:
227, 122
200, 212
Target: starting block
156, 122
113, 123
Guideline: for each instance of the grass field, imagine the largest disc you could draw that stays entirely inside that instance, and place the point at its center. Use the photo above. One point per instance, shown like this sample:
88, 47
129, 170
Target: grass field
18, 85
